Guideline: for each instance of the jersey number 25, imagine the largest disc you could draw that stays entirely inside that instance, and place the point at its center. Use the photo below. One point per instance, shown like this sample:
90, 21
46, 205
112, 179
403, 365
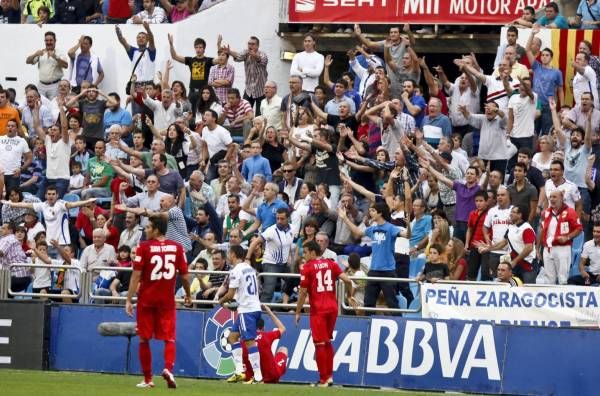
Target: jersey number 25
163, 269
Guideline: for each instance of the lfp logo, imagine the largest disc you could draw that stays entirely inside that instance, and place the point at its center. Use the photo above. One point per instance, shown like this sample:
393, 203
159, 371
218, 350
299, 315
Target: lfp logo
217, 350
305, 5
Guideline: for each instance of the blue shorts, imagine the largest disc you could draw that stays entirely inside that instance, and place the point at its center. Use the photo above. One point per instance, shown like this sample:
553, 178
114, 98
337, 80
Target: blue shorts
246, 324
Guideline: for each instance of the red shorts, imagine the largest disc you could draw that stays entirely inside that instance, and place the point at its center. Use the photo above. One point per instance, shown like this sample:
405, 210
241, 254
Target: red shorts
156, 322
322, 326
275, 373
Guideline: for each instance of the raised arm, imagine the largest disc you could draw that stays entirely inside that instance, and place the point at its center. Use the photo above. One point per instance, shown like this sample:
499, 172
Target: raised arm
364, 40
440, 177
356, 232
535, 30
121, 39
560, 135
174, 54
326, 77
151, 45
429, 79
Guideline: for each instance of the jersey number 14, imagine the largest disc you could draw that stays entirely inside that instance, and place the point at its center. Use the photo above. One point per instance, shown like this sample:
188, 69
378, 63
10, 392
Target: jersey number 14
324, 281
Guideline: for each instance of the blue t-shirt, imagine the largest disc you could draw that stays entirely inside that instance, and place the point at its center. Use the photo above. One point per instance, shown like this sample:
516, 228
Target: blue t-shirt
265, 213
417, 100
120, 117
584, 12
576, 163
545, 81
419, 229
560, 22
384, 239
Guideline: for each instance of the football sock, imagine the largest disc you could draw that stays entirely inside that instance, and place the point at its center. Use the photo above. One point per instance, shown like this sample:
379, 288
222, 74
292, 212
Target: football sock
236, 352
254, 358
169, 355
321, 359
330, 355
146, 360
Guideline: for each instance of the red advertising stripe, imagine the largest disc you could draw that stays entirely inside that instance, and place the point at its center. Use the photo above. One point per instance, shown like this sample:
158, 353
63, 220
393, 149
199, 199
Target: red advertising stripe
412, 11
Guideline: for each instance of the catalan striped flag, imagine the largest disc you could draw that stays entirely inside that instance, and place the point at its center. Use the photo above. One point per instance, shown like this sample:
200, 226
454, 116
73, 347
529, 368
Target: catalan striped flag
564, 45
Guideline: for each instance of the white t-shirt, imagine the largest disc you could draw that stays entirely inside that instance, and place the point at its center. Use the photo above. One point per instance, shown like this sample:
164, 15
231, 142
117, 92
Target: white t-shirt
57, 220
58, 155
570, 191
523, 109
592, 252
216, 140
497, 221
309, 66
243, 278
11, 153
42, 277
76, 181
278, 244
585, 82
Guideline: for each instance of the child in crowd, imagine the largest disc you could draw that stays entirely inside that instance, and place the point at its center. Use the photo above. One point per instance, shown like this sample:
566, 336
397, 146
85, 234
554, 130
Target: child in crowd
124, 257
354, 269
76, 180
436, 268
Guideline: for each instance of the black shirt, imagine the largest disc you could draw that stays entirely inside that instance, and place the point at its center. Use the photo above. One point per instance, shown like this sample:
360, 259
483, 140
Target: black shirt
199, 68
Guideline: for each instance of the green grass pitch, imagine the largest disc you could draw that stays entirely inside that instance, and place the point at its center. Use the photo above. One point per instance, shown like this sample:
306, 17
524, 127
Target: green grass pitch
51, 383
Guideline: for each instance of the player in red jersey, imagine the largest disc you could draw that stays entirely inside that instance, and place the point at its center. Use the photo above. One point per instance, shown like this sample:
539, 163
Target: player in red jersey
318, 278
272, 367
155, 268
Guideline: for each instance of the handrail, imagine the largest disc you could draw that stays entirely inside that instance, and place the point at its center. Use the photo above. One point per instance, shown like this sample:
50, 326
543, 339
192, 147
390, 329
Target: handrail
475, 283
46, 266
281, 275
382, 279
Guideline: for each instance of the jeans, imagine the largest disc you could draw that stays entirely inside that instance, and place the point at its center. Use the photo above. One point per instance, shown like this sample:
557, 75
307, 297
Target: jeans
11, 181
474, 260
62, 186
519, 143
544, 123
254, 101
460, 230
269, 283
373, 289
499, 165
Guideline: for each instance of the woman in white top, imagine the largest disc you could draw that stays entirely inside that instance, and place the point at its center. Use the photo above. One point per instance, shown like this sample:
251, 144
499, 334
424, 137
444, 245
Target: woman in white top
543, 158
207, 101
304, 129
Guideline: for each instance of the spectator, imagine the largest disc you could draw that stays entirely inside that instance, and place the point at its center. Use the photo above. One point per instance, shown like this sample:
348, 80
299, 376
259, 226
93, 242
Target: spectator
585, 78
589, 263
557, 181
270, 106
522, 112
414, 104
407, 69
436, 125
15, 156
118, 11
278, 240
436, 267
150, 198
214, 282
505, 272
132, 233
150, 14
257, 164
522, 193
98, 254
527, 19
578, 116
586, 47
68, 12
218, 143
323, 240
512, 34
474, 235
255, 66
221, 75
12, 253
547, 83
87, 221
32, 225
177, 10
99, 174
7, 113
51, 64
560, 225
199, 66
166, 111
265, 212
10, 11
92, 110
116, 115
15, 215
308, 64
551, 18
500, 87
142, 57
520, 237
495, 227
339, 95
237, 114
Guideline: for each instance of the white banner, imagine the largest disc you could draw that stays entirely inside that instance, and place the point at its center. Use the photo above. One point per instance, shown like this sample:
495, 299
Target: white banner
551, 306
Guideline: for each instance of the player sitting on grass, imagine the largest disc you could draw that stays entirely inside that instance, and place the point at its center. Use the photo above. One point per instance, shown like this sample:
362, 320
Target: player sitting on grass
243, 288
272, 367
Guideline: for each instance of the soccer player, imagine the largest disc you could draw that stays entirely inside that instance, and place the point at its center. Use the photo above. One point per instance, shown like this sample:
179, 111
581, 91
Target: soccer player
243, 287
318, 277
271, 367
157, 261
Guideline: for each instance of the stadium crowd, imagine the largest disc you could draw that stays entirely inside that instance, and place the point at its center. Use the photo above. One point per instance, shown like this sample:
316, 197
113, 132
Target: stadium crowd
396, 168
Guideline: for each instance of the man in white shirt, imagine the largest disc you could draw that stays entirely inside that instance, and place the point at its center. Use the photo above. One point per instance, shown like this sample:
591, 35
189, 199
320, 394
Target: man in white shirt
557, 181
150, 14
218, 143
308, 64
584, 79
15, 155
271, 105
323, 240
98, 254
146, 50
496, 222
589, 264
51, 65
521, 117
166, 111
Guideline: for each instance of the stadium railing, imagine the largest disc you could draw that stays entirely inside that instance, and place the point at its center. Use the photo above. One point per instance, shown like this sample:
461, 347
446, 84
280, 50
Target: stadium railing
345, 306
278, 275
67, 268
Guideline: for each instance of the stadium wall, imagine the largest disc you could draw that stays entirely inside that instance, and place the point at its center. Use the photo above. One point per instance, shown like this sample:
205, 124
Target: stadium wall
391, 352
236, 20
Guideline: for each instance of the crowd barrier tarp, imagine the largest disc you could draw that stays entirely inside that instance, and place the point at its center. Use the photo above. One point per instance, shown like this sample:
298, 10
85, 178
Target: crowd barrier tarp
496, 12
22, 335
422, 354
531, 306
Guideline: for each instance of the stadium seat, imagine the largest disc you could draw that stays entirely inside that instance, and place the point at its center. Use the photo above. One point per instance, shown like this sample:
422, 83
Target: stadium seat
402, 303
342, 261
71, 197
104, 203
416, 266
415, 304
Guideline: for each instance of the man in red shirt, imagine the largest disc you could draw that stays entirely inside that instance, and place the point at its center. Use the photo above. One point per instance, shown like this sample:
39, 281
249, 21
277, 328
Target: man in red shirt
157, 261
475, 233
318, 278
272, 367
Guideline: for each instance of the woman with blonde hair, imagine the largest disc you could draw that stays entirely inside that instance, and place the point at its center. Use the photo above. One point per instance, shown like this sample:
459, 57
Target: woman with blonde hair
440, 234
457, 265
257, 131
543, 158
